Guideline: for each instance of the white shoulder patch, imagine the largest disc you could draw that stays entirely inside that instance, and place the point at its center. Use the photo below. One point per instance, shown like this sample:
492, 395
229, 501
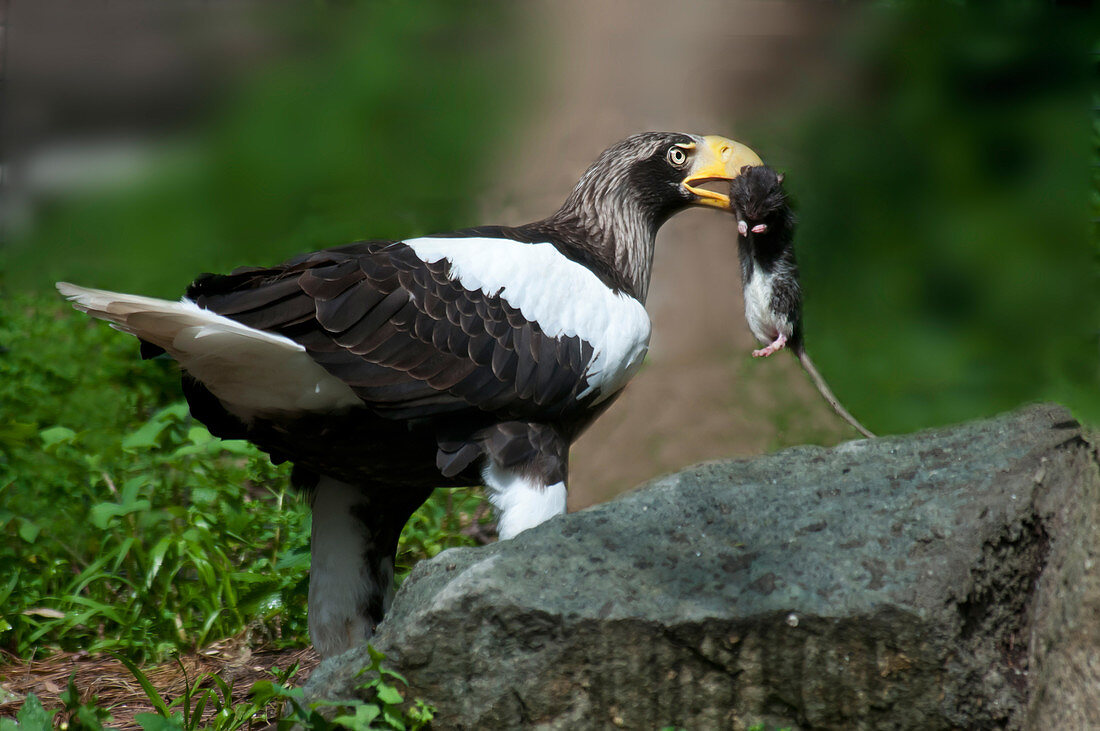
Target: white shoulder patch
565, 298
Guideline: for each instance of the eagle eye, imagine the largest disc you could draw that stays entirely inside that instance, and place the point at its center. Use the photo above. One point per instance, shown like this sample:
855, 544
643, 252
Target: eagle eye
676, 156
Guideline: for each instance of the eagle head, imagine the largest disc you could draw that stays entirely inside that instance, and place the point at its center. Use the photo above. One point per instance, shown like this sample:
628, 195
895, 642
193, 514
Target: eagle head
656, 174
637, 184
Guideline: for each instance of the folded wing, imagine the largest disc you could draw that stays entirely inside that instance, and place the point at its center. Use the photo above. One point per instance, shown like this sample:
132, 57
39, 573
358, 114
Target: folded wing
407, 340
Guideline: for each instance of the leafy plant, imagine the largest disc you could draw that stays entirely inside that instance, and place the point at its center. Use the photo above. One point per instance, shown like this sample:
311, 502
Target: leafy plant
207, 703
82, 716
129, 527
31, 717
384, 705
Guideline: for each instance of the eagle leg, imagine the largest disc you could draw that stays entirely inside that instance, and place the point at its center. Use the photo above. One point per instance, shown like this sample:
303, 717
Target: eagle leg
522, 501
525, 473
352, 550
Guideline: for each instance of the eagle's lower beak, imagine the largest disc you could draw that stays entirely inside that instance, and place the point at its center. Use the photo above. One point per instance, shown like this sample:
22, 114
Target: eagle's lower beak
717, 159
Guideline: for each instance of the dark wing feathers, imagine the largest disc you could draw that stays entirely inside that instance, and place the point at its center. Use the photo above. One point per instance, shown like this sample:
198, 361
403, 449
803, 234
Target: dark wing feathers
280, 313
480, 348
407, 339
325, 283
345, 309
504, 363
260, 295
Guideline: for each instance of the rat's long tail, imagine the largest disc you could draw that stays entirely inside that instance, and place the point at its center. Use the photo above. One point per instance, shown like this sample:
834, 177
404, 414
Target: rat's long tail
823, 387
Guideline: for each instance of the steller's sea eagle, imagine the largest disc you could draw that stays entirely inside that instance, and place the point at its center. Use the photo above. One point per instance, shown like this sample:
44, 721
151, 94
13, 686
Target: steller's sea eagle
386, 369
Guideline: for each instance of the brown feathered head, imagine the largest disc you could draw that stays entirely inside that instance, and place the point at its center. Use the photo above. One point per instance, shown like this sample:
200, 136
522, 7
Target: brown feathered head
636, 185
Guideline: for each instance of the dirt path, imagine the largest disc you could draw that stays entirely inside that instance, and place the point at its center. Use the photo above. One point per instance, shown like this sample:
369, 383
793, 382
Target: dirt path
616, 68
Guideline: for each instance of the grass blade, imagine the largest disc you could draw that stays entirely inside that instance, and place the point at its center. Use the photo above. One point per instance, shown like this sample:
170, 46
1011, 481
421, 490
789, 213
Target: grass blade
150, 691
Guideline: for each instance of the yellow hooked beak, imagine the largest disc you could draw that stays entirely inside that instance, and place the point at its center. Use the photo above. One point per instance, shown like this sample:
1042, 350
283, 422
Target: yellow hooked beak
718, 159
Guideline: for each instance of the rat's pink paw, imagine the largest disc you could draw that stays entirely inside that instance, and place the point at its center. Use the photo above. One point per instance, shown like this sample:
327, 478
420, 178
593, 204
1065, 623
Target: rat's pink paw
760, 228
742, 228
773, 347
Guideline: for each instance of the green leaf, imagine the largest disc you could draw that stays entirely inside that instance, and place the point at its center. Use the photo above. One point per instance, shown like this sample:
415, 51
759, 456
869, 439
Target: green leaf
199, 435
83, 716
389, 694
157, 722
132, 487
146, 436
393, 719
29, 530
101, 514
15, 433
90, 718
265, 690
71, 697
156, 558
56, 435
150, 692
361, 721
237, 446
123, 551
107, 610
33, 717
293, 560
204, 495
393, 674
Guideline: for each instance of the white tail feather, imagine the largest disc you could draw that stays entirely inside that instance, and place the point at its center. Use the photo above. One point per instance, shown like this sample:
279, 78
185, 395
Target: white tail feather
251, 371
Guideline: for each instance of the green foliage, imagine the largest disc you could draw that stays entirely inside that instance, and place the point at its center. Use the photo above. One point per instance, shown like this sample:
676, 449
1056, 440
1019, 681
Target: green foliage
381, 705
377, 120
31, 717
944, 195
126, 525
441, 523
206, 703
82, 716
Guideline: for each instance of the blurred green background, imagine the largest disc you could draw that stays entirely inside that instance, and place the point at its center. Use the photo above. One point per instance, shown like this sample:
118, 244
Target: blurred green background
353, 120
943, 160
945, 172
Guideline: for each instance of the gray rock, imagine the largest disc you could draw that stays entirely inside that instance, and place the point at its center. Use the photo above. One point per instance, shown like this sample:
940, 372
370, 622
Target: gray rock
946, 579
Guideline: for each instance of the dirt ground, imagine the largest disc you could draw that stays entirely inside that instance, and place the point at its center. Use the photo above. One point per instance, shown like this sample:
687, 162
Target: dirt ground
113, 687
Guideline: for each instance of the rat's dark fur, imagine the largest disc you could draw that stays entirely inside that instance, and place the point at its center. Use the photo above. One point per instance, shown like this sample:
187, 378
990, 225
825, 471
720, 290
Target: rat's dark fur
769, 272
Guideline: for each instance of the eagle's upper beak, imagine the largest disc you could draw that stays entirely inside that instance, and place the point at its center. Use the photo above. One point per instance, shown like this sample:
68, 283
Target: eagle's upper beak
717, 159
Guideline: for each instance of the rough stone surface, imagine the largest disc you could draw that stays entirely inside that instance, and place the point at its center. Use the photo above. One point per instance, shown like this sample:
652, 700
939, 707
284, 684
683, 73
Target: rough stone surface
945, 579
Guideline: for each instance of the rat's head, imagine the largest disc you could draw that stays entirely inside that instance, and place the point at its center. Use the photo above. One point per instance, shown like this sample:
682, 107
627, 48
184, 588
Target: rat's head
757, 194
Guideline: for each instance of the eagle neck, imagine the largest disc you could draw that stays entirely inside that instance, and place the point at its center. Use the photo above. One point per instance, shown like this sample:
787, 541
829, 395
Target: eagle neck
615, 241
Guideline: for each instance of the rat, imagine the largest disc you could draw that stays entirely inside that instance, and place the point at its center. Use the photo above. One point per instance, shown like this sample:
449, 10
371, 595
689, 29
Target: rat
769, 272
